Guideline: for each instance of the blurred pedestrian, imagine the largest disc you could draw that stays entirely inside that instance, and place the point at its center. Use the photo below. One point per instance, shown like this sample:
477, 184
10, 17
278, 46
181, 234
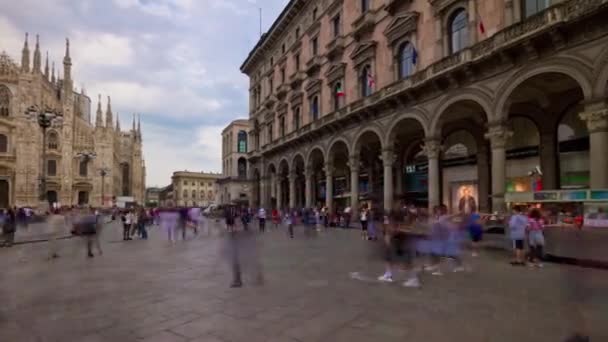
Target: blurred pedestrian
536, 239
262, 219
517, 227
9, 227
475, 230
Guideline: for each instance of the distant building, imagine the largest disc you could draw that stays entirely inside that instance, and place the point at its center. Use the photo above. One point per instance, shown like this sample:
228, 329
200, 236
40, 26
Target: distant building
166, 197
194, 188
152, 198
234, 186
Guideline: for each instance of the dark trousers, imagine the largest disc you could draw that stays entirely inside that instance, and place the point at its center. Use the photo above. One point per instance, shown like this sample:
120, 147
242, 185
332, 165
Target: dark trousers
9, 238
262, 225
125, 231
290, 228
141, 228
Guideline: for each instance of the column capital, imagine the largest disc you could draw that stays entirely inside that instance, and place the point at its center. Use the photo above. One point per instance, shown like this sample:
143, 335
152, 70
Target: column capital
328, 168
291, 175
354, 163
596, 120
498, 134
432, 148
388, 157
308, 172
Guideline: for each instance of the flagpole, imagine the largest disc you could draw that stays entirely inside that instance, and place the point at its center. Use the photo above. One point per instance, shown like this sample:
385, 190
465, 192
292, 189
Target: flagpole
260, 22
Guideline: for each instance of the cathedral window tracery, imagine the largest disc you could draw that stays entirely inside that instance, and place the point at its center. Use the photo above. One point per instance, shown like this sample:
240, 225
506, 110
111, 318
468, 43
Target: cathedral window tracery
5, 101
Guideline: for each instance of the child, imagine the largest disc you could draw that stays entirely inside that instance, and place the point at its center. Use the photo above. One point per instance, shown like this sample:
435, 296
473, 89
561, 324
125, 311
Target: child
536, 239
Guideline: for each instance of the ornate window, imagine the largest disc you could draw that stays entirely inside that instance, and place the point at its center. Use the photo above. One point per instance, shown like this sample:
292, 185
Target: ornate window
83, 168
193, 193
296, 61
338, 95
366, 81
337, 25
314, 107
297, 118
531, 7
282, 126
315, 12
458, 31
242, 168
297, 32
52, 141
364, 6
5, 101
51, 167
3, 143
242, 142
185, 193
270, 135
282, 75
406, 60
315, 46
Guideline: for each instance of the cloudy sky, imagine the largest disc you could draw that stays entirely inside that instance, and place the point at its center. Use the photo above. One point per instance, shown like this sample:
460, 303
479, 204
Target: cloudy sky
174, 61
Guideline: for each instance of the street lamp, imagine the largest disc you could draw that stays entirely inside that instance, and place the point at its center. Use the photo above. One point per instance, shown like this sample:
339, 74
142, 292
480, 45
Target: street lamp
45, 117
103, 172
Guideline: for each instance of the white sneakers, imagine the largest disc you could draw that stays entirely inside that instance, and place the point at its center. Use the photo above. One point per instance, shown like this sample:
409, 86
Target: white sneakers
458, 269
386, 278
412, 282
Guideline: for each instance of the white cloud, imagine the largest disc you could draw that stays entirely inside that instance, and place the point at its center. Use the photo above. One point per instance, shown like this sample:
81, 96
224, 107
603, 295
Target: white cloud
100, 48
176, 103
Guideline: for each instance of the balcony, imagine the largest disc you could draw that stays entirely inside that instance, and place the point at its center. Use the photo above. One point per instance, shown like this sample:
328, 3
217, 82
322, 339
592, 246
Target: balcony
269, 101
313, 65
364, 24
282, 90
392, 5
336, 47
297, 78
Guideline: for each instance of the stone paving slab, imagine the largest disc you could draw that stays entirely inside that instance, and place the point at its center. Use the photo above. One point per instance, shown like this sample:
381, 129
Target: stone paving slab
154, 291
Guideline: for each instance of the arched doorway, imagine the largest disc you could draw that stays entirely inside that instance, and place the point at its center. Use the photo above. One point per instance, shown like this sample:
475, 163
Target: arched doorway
52, 197
316, 160
410, 170
464, 167
283, 183
4, 194
272, 194
338, 156
83, 197
300, 181
552, 100
368, 148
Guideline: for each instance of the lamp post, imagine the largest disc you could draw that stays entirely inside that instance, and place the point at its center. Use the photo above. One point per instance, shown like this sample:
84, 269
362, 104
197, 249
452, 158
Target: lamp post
86, 157
103, 172
45, 118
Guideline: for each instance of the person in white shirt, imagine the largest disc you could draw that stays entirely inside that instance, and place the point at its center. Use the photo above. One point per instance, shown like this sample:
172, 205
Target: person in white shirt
347, 217
262, 219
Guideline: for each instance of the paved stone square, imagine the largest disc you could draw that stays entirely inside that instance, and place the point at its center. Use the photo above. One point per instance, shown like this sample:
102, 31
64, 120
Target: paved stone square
152, 291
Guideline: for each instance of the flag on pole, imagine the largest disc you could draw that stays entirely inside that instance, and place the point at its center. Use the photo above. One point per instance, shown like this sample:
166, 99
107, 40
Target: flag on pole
482, 28
414, 56
339, 90
370, 79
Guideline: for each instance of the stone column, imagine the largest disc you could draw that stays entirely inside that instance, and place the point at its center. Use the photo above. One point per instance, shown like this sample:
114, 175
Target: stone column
263, 192
548, 160
432, 149
353, 164
329, 187
399, 178
279, 191
596, 117
483, 178
498, 134
292, 189
308, 187
388, 160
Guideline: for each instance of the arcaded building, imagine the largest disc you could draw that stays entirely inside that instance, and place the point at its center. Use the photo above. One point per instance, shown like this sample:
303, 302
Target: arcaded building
74, 150
234, 186
428, 101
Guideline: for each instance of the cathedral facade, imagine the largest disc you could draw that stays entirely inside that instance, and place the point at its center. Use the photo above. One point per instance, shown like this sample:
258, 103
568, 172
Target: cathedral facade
75, 161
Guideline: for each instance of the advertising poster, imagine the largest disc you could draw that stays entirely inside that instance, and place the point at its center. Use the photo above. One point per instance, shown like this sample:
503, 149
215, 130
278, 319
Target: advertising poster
465, 197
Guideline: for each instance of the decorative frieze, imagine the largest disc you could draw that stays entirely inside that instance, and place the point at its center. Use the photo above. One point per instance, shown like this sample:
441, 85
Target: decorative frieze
597, 121
335, 72
363, 52
313, 86
499, 135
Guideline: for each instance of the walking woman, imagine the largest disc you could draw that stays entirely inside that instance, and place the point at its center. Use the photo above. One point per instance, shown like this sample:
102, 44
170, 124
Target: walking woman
364, 216
276, 217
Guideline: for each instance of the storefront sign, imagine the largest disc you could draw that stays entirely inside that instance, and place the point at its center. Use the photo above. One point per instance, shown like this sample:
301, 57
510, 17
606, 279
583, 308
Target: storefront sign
545, 196
580, 195
599, 195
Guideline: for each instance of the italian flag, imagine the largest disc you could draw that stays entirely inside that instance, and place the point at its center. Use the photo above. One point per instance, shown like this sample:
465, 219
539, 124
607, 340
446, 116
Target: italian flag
340, 90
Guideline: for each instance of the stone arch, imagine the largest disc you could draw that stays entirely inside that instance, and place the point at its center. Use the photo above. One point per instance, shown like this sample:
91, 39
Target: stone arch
270, 167
477, 96
565, 66
296, 156
600, 88
311, 151
417, 114
373, 128
284, 162
337, 140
